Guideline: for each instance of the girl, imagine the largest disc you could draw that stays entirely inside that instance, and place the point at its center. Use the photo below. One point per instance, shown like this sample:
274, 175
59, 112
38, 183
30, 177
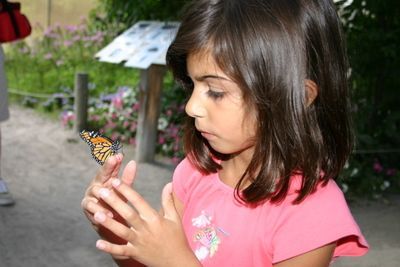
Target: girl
268, 129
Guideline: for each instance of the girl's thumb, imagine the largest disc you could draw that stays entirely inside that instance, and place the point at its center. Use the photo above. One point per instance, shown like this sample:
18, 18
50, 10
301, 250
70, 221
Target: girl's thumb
167, 202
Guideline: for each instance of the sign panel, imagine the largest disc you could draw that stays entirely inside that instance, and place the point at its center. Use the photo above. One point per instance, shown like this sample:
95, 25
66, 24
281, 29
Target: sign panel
143, 44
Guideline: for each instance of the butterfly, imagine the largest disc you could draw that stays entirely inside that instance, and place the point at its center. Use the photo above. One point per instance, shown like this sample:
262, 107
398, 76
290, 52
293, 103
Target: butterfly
101, 146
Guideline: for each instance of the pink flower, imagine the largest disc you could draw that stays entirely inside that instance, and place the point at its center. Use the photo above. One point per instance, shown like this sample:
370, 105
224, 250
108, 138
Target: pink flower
377, 167
48, 56
136, 106
117, 102
114, 136
175, 160
132, 141
110, 125
71, 28
95, 117
114, 116
391, 172
67, 117
133, 127
161, 140
68, 43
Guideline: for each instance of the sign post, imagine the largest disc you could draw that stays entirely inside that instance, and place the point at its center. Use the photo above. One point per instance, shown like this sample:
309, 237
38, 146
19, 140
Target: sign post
144, 46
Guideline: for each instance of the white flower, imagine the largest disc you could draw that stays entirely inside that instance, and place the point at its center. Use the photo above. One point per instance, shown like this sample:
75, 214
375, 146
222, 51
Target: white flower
162, 123
201, 253
346, 165
345, 188
385, 185
354, 172
202, 221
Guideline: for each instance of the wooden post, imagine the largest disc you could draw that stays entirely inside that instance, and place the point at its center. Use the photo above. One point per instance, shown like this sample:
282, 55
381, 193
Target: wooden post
80, 101
151, 81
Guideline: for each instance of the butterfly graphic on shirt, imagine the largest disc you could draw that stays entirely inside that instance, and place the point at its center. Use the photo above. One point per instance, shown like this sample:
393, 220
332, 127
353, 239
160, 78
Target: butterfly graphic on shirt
101, 146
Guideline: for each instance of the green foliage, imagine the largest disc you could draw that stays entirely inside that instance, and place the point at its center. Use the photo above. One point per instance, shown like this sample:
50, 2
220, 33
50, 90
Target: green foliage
121, 14
48, 65
373, 40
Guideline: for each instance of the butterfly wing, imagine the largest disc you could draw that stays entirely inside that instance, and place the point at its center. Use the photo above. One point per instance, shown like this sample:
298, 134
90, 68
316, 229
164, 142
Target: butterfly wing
87, 136
102, 147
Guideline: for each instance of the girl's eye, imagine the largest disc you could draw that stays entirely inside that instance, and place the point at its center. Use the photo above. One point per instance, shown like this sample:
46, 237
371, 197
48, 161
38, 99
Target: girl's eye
215, 94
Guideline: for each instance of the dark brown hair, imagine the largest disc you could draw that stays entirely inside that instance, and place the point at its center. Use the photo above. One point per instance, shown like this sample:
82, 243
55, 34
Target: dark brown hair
270, 48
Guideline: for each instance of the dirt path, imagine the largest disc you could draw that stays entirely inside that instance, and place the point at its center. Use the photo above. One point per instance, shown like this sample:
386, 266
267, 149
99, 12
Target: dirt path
47, 175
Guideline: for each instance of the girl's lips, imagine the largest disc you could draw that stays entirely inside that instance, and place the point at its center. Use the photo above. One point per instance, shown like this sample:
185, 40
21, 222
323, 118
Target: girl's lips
207, 135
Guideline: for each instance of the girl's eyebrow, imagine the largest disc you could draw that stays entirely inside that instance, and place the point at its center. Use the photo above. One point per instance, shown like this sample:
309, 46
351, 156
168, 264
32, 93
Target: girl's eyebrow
210, 76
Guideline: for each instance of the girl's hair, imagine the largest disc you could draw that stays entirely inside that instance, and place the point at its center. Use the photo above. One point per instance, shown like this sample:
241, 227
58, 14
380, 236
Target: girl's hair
270, 48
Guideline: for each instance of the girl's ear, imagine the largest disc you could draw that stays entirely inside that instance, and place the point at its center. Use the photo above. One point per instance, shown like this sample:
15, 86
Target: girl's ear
311, 91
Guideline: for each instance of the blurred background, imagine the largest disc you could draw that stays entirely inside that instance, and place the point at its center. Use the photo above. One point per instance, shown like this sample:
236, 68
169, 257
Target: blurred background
67, 34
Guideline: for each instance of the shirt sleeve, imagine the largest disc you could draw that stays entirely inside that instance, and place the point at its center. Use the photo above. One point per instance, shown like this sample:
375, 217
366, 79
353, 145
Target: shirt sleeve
322, 218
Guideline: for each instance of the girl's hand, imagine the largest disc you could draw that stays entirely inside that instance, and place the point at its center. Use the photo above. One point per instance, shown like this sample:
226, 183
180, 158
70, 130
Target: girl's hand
154, 239
91, 204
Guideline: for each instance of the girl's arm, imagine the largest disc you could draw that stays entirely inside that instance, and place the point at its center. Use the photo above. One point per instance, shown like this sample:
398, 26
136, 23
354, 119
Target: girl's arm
320, 257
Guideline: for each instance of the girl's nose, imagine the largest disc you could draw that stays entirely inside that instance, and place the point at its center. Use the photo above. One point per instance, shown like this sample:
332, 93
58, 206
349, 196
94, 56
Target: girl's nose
194, 107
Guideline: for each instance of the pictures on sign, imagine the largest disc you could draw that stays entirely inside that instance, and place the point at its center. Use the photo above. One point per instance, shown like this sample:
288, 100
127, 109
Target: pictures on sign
143, 44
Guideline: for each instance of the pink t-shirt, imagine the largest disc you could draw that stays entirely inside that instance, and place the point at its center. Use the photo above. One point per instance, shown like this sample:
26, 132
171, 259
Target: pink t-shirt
223, 232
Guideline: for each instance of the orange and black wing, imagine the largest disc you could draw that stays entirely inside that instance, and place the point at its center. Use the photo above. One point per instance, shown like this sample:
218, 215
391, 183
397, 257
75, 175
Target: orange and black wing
102, 147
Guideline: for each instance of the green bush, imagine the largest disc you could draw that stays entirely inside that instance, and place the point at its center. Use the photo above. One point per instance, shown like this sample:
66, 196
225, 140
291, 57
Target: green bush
373, 40
49, 64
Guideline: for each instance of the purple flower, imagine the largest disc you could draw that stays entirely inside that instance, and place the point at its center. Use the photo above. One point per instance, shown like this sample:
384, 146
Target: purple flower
391, 172
71, 28
48, 56
68, 43
76, 38
378, 168
169, 112
59, 62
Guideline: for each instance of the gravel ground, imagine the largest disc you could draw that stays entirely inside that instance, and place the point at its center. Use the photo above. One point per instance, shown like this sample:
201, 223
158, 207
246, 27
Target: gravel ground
47, 169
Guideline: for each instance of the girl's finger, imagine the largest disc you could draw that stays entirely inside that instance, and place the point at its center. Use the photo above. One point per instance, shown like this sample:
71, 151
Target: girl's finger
109, 169
137, 201
112, 199
91, 205
114, 226
129, 173
116, 250
167, 202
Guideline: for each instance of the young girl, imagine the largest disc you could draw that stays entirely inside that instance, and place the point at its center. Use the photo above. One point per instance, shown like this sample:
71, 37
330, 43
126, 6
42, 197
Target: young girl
268, 129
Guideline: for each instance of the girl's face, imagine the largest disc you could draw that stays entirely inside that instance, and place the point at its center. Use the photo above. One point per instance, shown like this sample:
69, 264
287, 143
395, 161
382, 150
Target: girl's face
218, 108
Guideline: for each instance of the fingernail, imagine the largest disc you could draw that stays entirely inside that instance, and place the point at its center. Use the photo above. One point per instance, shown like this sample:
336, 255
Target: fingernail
100, 244
110, 214
104, 192
115, 182
99, 216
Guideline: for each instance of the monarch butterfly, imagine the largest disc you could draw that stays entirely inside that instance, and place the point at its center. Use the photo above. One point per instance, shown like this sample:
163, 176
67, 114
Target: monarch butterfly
101, 146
